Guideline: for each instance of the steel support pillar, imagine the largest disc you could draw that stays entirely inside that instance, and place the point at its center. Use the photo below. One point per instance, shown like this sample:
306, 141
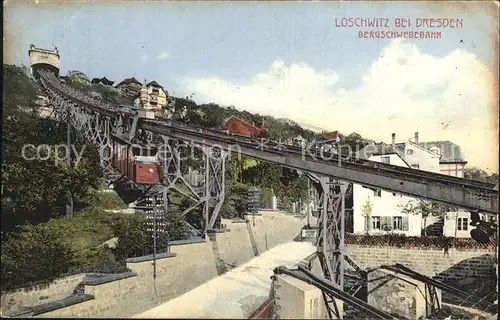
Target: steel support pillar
89, 126
214, 191
330, 243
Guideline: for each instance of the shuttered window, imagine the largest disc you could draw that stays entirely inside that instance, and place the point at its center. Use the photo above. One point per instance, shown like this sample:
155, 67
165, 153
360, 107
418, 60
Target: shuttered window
375, 223
405, 223
367, 223
397, 223
462, 224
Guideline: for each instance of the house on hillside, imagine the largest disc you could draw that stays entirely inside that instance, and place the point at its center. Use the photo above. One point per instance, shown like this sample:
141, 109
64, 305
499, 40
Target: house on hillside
452, 160
299, 141
151, 96
417, 156
327, 141
329, 137
129, 87
104, 81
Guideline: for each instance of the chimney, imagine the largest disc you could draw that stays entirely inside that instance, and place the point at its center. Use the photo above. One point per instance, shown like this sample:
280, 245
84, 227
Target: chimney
393, 140
416, 137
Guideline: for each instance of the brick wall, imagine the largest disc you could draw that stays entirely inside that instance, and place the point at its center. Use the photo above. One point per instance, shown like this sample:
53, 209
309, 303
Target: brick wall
450, 264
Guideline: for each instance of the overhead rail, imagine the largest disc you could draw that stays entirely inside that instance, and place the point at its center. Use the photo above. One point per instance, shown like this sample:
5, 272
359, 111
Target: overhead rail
437, 187
468, 194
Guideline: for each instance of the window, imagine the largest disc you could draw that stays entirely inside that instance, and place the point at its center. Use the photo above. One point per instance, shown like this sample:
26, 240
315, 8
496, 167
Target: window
386, 160
462, 224
409, 152
377, 193
397, 223
415, 166
376, 223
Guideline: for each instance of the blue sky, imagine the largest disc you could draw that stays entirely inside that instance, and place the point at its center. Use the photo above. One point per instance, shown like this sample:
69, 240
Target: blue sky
235, 42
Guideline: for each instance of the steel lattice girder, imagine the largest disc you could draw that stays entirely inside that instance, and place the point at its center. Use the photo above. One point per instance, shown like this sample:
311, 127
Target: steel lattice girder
421, 184
331, 248
98, 129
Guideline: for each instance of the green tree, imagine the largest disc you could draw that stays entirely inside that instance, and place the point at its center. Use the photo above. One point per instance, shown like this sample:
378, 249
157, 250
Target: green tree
480, 175
425, 209
367, 212
35, 190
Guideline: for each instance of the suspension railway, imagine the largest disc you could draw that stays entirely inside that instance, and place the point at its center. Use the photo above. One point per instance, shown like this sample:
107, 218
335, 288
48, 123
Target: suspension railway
107, 125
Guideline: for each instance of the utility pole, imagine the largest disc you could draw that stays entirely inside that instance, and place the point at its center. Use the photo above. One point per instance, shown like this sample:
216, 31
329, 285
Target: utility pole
69, 205
154, 200
154, 237
308, 202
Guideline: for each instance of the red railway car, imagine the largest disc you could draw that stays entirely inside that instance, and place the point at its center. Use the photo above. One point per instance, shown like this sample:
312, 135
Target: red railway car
237, 126
139, 163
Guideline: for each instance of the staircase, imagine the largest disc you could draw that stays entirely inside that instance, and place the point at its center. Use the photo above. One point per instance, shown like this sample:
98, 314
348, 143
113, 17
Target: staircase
436, 228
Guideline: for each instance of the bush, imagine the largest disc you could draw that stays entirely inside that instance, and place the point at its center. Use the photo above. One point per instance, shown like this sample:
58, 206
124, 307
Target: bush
37, 253
100, 260
105, 200
235, 202
132, 236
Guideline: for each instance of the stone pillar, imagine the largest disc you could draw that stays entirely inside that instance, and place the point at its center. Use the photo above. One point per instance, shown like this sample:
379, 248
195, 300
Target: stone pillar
296, 299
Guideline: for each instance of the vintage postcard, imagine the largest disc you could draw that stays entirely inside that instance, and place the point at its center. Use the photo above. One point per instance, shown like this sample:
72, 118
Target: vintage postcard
250, 159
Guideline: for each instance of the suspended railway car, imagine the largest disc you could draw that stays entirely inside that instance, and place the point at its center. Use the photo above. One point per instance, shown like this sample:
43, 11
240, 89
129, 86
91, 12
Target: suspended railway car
239, 127
139, 163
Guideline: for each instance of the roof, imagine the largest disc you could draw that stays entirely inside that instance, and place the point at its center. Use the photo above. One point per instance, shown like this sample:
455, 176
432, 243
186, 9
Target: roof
235, 118
450, 152
103, 80
128, 80
330, 135
55, 51
378, 149
154, 84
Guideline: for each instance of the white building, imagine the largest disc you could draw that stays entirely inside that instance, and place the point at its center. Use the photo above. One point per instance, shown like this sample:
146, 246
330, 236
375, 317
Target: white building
456, 224
452, 162
443, 157
386, 214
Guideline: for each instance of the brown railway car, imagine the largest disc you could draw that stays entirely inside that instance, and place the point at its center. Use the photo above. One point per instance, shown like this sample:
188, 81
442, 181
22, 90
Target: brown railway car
237, 126
139, 163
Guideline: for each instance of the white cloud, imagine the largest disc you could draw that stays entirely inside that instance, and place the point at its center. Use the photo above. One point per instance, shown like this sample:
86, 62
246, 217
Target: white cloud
163, 55
404, 91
